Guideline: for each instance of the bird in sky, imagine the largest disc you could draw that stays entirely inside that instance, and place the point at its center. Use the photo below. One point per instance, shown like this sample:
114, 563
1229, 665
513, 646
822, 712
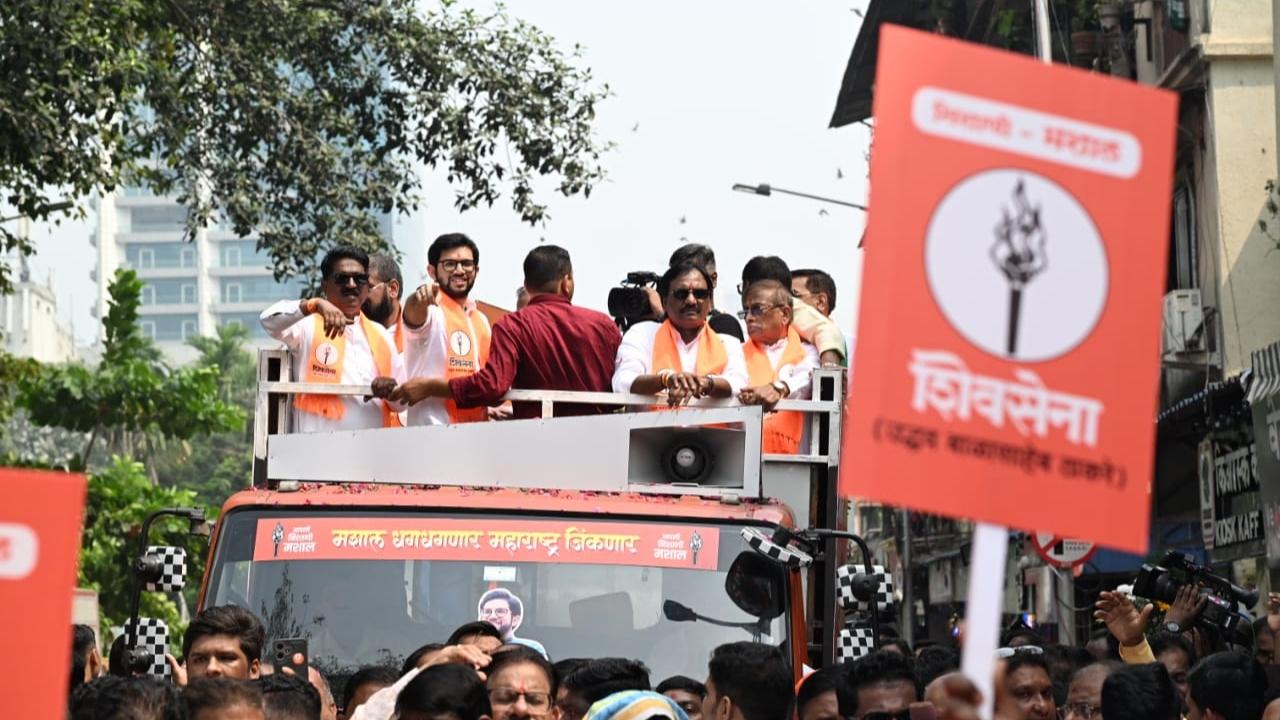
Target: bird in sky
856, 11
839, 174
823, 212
635, 128
683, 219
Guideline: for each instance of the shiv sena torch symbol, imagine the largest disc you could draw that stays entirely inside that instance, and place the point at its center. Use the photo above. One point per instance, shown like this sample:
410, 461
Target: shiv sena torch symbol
695, 544
277, 535
1019, 253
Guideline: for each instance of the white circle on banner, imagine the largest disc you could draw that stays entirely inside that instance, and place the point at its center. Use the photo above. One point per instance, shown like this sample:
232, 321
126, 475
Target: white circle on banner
460, 343
1016, 265
326, 354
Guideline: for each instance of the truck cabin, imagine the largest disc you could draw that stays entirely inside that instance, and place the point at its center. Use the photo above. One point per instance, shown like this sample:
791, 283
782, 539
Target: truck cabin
608, 535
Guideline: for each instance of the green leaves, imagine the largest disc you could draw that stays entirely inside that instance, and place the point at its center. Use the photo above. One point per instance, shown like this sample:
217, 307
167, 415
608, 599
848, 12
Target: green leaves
120, 498
302, 122
131, 389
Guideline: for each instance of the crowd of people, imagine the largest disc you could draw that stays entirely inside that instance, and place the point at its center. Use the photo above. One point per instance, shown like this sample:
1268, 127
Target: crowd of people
1125, 672
431, 356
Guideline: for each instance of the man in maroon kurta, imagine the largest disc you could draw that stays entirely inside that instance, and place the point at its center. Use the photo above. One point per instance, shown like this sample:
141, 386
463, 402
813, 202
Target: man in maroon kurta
550, 344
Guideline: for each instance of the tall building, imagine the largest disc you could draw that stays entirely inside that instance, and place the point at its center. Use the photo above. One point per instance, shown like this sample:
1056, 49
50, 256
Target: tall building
190, 288
29, 323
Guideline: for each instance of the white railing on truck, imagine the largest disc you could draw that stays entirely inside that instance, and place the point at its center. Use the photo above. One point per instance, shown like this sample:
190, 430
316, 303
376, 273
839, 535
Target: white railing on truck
820, 448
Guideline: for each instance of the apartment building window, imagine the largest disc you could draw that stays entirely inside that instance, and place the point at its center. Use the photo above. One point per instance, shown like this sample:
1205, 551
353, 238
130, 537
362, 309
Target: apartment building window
163, 218
148, 328
146, 256
249, 321
231, 256
188, 293
232, 292
1183, 256
188, 329
148, 297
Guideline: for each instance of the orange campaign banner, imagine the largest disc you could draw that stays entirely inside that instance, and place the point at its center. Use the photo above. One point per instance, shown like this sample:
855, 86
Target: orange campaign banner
1008, 340
485, 540
40, 520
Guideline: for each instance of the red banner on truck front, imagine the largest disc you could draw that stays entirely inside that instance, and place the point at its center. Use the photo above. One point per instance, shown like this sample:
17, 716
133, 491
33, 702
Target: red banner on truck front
487, 540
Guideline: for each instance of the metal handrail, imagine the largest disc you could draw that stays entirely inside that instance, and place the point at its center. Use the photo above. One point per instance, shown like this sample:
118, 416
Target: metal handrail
824, 415
549, 396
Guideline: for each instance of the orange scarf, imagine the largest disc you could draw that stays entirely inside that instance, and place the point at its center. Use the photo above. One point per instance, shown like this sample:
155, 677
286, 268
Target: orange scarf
324, 365
782, 430
399, 338
711, 359
467, 345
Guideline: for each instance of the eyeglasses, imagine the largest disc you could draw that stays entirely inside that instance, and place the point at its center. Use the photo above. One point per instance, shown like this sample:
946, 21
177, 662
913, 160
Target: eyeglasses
900, 715
1005, 653
537, 701
698, 294
451, 265
342, 278
1081, 710
756, 311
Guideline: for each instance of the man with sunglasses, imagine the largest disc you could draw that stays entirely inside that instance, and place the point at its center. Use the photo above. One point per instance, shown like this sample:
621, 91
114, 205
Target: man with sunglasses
681, 356
446, 335
813, 326
333, 342
1028, 686
779, 364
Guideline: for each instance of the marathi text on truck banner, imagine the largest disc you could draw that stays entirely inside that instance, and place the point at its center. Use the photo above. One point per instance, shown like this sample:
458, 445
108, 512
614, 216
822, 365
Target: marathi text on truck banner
487, 540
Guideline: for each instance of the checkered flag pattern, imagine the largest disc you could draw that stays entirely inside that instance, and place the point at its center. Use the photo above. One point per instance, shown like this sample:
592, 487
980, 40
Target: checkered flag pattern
853, 643
173, 568
785, 554
844, 586
153, 639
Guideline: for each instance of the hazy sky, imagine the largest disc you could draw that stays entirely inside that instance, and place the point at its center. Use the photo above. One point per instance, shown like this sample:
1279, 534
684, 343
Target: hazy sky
722, 92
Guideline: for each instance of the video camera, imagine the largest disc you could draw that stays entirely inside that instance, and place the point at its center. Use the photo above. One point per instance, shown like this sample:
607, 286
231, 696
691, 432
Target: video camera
628, 303
1220, 612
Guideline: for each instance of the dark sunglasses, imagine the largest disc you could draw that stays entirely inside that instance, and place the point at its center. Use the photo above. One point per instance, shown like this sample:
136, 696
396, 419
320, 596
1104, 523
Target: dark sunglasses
341, 279
900, 715
683, 294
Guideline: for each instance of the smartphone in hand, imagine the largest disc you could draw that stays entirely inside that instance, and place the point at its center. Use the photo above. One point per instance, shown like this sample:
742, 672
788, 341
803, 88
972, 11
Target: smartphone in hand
290, 653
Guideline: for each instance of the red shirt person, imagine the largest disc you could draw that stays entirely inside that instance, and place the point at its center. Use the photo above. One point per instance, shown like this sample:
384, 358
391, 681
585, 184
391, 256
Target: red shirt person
550, 344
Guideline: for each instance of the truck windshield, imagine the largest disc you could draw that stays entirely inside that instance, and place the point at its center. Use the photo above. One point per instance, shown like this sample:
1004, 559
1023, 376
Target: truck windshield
370, 588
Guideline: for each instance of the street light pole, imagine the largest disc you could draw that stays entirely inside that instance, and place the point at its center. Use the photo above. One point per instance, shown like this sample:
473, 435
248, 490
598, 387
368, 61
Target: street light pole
766, 190
51, 208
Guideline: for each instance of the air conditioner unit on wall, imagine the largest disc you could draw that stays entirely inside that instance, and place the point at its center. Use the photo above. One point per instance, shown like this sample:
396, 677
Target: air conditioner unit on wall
1184, 329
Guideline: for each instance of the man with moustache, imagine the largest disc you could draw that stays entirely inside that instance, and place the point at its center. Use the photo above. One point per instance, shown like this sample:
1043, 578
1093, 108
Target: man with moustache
333, 342
383, 304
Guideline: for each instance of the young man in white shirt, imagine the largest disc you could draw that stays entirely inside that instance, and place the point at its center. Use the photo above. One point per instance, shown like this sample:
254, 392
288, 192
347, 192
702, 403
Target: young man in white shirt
446, 335
332, 342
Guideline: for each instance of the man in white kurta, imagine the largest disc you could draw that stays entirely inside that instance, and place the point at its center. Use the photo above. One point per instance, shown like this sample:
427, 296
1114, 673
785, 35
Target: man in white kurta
345, 285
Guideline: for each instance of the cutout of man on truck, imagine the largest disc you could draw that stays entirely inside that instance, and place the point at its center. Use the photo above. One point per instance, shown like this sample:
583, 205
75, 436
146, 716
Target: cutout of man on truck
502, 609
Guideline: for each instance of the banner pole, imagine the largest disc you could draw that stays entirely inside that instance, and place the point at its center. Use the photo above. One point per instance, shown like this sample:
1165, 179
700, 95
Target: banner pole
983, 609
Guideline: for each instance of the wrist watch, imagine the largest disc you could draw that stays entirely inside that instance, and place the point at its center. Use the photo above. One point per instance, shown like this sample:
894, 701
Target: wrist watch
781, 387
1173, 627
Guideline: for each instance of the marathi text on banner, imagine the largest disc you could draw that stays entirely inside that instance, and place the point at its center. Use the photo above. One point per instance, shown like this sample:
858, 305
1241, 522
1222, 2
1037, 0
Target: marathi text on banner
944, 385
405, 538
